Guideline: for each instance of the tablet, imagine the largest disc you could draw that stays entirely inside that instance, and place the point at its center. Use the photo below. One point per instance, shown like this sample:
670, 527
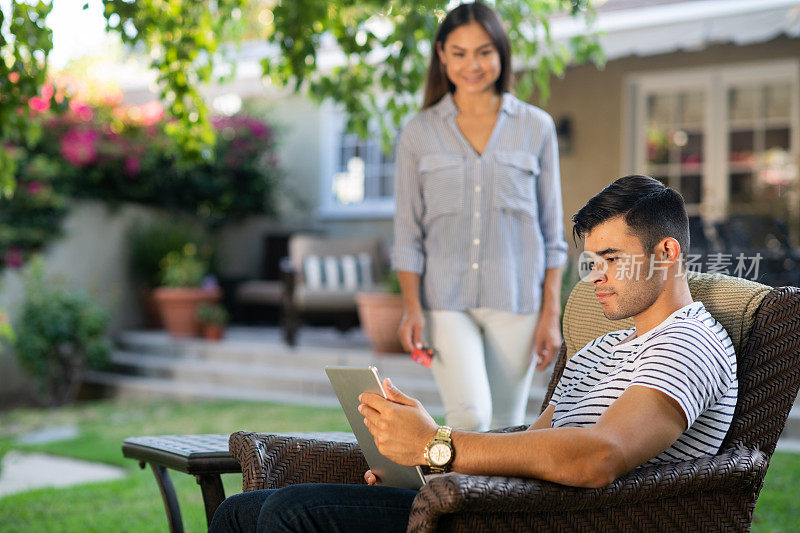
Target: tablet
349, 382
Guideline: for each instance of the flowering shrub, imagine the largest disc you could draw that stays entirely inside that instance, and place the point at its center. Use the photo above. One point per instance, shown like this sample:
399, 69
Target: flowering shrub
110, 152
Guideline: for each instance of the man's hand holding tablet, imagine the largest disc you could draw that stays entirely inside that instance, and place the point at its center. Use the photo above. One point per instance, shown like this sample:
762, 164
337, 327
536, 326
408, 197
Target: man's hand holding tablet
399, 424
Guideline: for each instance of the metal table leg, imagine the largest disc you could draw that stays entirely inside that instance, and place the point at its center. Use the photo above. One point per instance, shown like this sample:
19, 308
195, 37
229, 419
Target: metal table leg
170, 500
213, 493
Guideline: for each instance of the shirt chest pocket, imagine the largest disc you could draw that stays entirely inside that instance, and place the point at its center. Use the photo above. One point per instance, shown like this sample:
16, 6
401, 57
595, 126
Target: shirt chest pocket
442, 177
515, 181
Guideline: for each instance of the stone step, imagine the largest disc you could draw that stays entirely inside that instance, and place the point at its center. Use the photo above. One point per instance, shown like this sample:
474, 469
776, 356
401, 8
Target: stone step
298, 381
145, 387
304, 379
128, 386
245, 348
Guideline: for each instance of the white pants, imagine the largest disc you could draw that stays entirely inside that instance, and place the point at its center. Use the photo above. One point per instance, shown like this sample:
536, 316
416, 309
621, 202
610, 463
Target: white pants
483, 365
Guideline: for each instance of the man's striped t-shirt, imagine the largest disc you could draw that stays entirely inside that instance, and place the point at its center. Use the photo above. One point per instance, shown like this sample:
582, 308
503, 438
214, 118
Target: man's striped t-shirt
689, 357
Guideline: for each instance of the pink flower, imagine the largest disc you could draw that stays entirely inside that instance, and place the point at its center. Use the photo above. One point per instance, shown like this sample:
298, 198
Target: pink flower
152, 113
39, 104
13, 77
42, 104
78, 146
48, 91
14, 257
34, 187
82, 110
258, 129
132, 166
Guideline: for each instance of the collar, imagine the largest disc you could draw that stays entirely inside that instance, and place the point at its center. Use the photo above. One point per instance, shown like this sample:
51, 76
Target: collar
446, 106
685, 311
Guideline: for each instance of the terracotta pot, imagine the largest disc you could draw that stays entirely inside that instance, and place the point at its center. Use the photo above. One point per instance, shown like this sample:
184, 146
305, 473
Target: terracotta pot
380, 315
178, 308
213, 332
152, 315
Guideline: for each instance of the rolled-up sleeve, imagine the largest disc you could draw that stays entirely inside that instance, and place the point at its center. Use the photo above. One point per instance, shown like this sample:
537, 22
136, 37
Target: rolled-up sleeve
408, 253
548, 195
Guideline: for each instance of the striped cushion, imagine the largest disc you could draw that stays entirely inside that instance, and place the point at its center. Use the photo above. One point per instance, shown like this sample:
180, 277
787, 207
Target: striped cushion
344, 272
732, 301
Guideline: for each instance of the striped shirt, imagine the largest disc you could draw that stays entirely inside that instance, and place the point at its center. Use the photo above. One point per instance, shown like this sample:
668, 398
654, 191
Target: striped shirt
480, 229
688, 357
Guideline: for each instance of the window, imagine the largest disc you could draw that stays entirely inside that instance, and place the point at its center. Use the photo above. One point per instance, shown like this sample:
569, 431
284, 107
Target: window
727, 138
357, 176
675, 141
760, 168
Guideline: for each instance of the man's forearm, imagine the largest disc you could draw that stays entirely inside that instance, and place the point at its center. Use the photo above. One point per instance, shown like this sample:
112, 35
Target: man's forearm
581, 457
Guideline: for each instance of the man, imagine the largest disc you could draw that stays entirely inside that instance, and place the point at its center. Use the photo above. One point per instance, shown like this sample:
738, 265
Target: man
662, 391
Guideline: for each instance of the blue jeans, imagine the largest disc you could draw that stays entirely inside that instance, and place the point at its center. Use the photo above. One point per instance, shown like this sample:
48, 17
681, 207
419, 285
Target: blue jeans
316, 507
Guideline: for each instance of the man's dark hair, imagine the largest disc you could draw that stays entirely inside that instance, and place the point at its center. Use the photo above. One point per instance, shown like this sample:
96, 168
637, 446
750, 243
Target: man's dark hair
652, 210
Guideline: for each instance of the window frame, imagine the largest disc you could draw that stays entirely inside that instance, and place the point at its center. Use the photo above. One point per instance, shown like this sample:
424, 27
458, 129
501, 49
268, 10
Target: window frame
332, 126
715, 81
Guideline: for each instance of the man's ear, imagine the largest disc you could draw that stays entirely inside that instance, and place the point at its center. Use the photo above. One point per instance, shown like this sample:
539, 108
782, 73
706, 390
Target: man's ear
669, 249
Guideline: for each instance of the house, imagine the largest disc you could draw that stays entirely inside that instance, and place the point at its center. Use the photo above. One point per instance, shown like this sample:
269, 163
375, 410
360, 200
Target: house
700, 94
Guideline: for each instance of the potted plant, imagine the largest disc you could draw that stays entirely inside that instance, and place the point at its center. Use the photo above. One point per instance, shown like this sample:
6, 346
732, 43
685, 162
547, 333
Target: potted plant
213, 318
380, 313
185, 286
149, 241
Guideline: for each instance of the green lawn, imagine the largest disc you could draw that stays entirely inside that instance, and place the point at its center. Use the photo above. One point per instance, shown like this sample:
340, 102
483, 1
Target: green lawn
134, 503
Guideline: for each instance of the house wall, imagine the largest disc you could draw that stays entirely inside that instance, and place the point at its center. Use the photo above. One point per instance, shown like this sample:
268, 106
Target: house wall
595, 102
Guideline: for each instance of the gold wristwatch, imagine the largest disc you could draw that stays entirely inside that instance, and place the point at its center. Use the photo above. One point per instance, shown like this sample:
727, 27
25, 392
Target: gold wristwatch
439, 451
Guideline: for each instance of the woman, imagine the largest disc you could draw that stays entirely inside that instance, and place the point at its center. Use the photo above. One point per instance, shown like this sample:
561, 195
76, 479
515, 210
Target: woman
479, 240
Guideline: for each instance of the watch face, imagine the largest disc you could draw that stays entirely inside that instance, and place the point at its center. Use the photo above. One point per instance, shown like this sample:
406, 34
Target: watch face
440, 454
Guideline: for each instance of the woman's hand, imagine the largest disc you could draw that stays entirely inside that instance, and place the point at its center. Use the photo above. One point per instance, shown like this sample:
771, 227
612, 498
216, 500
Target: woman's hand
411, 327
547, 338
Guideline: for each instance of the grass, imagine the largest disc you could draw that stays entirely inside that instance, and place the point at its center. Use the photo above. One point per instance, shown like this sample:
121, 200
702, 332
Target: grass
134, 502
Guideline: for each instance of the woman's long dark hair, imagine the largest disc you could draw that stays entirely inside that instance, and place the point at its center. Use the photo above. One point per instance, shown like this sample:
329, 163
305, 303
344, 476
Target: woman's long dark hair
437, 84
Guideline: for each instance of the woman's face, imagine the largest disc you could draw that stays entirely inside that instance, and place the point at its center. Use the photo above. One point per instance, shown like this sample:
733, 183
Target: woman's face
470, 59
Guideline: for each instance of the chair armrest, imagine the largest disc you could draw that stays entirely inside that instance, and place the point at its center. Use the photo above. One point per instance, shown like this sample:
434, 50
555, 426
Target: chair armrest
734, 470
272, 461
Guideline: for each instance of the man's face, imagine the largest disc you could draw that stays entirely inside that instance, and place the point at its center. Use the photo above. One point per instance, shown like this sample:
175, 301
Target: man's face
621, 285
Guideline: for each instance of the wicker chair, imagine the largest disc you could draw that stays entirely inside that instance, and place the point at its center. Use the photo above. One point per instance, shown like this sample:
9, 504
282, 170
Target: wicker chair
709, 494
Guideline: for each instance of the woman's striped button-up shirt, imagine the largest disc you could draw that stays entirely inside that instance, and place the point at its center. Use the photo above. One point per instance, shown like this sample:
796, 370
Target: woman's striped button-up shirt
480, 229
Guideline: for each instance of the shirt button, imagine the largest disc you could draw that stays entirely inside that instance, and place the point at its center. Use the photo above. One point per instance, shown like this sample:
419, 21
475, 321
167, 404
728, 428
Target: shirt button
476, 242
474, 266
477, 188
